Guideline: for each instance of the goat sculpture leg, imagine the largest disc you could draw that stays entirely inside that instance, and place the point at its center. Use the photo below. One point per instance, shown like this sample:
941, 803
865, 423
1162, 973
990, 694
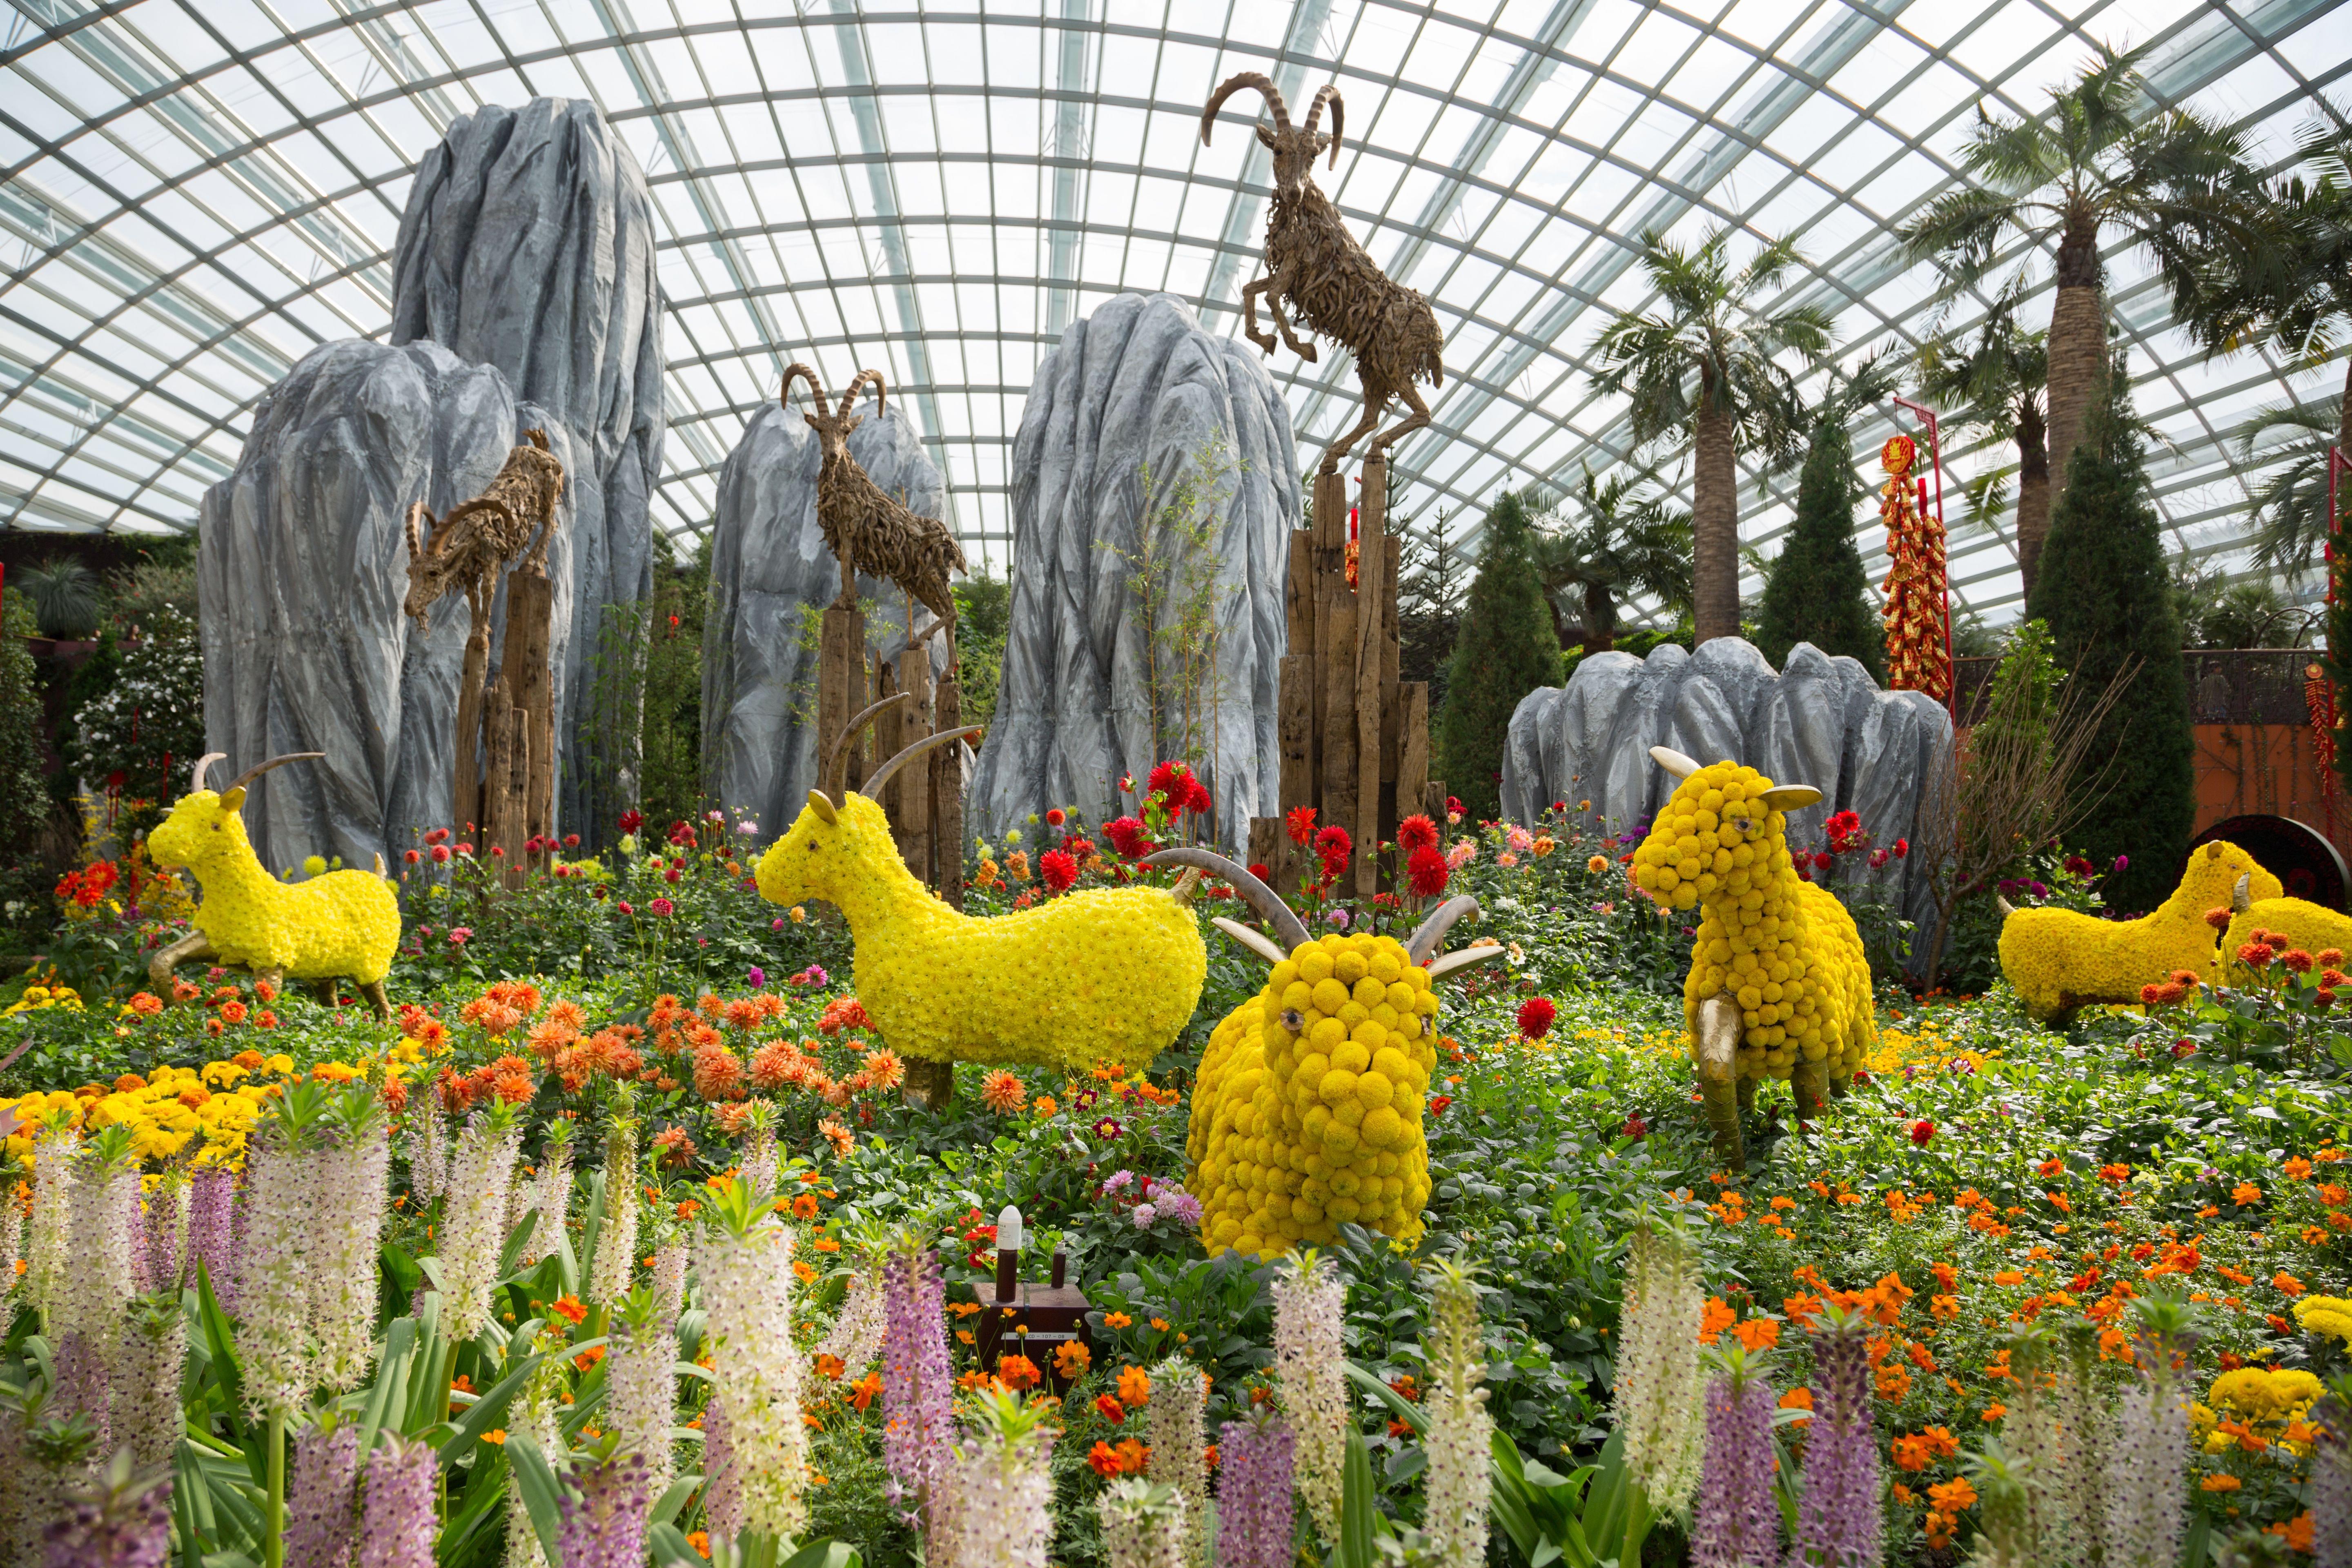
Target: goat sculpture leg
373, 991
1718, 1056
1338, 449
187, 950
1403, 428
1250, 329
1282, 284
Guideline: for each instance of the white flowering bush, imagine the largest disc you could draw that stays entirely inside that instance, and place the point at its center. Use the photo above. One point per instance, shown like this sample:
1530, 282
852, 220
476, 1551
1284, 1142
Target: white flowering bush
151, 722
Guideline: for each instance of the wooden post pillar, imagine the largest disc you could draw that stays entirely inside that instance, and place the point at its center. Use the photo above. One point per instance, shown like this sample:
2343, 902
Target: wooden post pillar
946, 796
910, 792
840, 679
524, 666
1375, 603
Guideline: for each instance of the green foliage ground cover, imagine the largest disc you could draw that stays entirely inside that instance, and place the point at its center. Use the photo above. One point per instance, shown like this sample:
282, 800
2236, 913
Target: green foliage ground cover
1986, 1173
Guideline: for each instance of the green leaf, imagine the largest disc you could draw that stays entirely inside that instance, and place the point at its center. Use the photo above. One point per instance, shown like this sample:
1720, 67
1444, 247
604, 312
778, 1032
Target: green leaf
1359, 1501
486, 1411
511, 1253
669, 1546
542, 1494
675, 1498
391, 1374
824, 1554
1403, 1409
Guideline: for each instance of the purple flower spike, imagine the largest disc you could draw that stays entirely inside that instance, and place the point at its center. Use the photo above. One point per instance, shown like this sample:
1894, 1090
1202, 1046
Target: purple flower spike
400, 1526
321, 1526
1255, 1517
117, 1522
212, 1195
917, 1382
1738, 1525
604, 1516
1840, 1522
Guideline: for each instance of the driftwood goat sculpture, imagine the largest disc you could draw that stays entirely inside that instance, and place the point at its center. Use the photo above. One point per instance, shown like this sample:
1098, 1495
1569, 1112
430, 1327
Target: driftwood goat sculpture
1314, 265
470, 548
865, 527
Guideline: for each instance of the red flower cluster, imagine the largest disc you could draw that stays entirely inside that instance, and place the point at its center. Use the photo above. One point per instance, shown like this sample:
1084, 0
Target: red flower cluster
1180, 793
1844, 831
1426, 869
89, 885
1535, 1014
632, 819
1060, 868
1416, 832
1129, 836
1300, 824
1333, 847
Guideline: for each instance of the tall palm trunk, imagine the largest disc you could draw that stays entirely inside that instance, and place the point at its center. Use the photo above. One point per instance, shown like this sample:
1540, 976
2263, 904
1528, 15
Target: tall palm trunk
2032, 490
1715, 521
1600, 619
2078, 344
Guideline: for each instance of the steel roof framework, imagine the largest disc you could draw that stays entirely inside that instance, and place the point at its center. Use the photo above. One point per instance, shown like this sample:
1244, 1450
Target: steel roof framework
198, 194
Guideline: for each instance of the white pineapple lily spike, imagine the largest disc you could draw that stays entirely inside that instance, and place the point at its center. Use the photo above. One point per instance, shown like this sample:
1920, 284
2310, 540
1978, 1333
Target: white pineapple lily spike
1292, 931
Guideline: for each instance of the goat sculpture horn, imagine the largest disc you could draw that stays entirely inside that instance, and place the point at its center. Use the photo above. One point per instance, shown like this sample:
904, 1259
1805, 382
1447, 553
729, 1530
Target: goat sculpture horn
872, 787
881, 391
816, 392
1328, 93
1433, 931
2006, 908
1288, 929
1673, 761
258, 769
1233, 84
196, 776
836, 761
2241, 894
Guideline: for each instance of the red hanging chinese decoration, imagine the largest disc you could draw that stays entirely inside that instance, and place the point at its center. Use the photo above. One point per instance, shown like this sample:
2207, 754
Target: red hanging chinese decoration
1918, 650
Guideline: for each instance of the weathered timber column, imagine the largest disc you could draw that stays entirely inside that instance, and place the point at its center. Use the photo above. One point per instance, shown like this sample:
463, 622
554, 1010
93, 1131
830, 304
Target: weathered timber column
946, 771
525, 670
1374, 606
840, 679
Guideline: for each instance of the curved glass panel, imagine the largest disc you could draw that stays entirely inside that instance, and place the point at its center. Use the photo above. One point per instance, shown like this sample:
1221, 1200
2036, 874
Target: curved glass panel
198, 191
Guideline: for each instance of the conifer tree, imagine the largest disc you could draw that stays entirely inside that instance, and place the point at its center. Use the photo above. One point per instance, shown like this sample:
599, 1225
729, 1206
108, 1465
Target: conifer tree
1818, 591
2104, 593
1504, 650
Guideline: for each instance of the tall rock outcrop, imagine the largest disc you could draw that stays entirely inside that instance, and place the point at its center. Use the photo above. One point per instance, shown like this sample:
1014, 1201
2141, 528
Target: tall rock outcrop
1819, 720
303, 563
770, 578
528, 243
1095, 675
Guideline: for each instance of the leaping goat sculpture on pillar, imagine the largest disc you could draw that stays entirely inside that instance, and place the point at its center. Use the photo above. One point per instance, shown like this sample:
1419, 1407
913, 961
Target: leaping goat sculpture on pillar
1315, 266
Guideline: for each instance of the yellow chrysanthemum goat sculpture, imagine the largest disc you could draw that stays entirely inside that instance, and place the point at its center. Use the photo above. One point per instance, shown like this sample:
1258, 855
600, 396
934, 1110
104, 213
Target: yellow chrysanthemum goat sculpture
1103, 975
345, 923
2060, 960
1307, 1110
1779, 984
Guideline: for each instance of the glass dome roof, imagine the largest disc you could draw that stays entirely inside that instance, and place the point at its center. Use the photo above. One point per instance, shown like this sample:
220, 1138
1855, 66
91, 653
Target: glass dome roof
198, 191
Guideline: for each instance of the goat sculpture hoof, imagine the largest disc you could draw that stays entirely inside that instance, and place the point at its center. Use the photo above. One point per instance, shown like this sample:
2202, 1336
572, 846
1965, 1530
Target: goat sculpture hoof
1305, 350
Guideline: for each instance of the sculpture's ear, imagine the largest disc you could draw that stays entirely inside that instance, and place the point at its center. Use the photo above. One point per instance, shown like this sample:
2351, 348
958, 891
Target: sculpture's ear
1263, 134
822, 803
1790, 797
813, 424
232, 800
2213, 850
852, 423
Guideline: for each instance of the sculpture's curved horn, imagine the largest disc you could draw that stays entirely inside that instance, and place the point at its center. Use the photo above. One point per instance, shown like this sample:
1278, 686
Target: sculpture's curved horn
1256, 943
1433, 931
1462, 958
881, 391
816, 392
1233, 84
2241, 894
1673, 761
836, 761
2004, 906
258, 769
1328, 93
872, 788
1288, 929
197, 775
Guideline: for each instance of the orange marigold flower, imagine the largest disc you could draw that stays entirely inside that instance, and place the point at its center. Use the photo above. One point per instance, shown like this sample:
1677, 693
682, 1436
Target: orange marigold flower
2246, 1193
1018, 1372
1717, 1317
1134, 1386
2218, 1483
1004, 1092
568, 1308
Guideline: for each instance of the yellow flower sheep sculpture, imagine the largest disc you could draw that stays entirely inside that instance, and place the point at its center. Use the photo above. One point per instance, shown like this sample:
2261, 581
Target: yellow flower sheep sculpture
1306, 1113
2060, 960
2285, 924
1779, 984
1105, 974
341, 923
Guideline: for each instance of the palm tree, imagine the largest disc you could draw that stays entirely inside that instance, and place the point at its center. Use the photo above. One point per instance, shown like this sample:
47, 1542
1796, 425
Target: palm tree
2173, 182
1994, 386
2294, 287
1623, 543
2289, 515
1707, 368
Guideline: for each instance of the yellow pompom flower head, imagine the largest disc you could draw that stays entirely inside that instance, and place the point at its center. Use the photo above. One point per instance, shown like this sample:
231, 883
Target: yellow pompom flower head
1779, 984
1307, 1112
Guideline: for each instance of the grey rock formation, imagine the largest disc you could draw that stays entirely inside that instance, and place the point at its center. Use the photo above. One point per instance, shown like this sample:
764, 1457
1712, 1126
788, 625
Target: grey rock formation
1139, 384
303, 563
1820, 721
770, 578
528, 243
